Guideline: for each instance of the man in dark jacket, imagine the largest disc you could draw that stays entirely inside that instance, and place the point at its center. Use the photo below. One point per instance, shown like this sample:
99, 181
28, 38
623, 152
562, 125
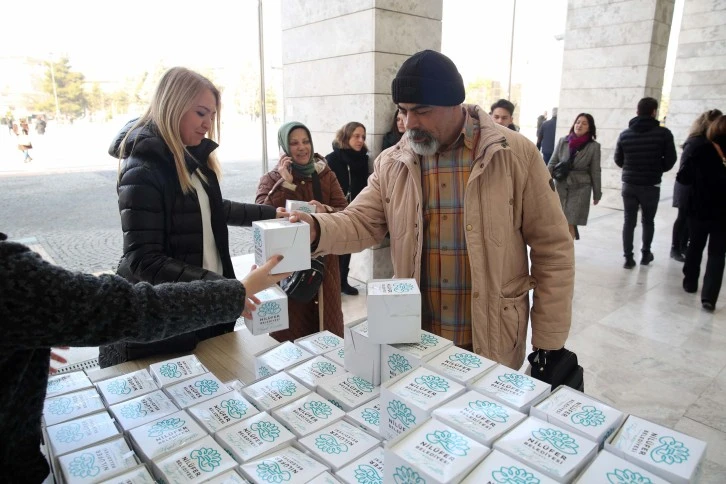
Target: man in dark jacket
546, 136
644, 151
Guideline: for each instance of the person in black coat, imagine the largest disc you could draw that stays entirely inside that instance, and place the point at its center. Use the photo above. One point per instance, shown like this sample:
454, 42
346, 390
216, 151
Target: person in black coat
398, 127
681, 193
546, 137
704, 170
349, 162
173, 216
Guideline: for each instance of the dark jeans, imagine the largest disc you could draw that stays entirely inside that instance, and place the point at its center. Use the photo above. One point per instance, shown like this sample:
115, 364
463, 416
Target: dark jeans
546, 157
646, 198
715, 232
344, 264
680, 231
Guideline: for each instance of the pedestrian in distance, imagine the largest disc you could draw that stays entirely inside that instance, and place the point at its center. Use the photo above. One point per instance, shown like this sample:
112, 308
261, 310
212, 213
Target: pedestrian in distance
395, 133
502, 113
546, 137
25, 145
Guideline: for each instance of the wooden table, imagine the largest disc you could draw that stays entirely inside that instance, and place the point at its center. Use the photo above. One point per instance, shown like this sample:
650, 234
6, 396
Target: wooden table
229, 357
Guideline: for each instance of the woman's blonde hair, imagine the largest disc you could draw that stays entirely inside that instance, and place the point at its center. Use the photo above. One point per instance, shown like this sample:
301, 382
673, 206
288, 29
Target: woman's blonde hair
174, 96
342, 137
702, 122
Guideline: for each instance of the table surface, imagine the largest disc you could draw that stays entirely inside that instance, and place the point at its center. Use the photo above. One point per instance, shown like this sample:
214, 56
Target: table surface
230, 356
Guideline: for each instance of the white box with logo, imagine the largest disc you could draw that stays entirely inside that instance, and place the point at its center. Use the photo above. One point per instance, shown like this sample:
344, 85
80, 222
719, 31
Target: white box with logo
196, 390
497, 468
408, 399
432, 453
138, 475
300, 206
143, 409
348, 391
368, 468
394, 310
222, 411
460, 365
280, 358
338, 444
610, 468
71, 406
397, 359
126, 387
674, 456
308, 414
286, 465
325, 478
320, 343
164, 435
66, 383
559, 454
254, 437
336, 356
274, 392
362, 356
479, 417
199, 461
242, 265
280, 236
82, 432
229, 477
512, 388
173, 371
312, 372
271, 314
368, 417
97, 463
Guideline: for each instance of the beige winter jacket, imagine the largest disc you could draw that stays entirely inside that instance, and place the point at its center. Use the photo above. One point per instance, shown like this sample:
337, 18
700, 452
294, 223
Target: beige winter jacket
510, 203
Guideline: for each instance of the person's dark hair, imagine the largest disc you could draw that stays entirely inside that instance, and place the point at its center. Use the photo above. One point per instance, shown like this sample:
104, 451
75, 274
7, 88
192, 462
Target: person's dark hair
590, 121
717, 132
504, 104
342, 136
394, 123
647, 106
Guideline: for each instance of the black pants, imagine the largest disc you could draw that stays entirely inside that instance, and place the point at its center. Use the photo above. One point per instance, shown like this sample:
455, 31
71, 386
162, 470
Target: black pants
699, 231
344, 264
680, 230
646, 198
546, 157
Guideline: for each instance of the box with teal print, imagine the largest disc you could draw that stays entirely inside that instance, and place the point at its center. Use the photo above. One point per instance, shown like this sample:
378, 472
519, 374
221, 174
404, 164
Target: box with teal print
498, 468
308, 414
279, 358
394, 311
274, 391
172, 371
362, 356
511, 387
282, 237
271, 314
96, 464
460, 365
71, 406
125, 387
82, 432
402, 357
550, 449
199, 461
348, 391
310, 373
337, 445
165, 435
366, 469
196, 390
433, 453
408, 399
222, 411
286, 465
254, 437
320, 343
579, 413
367, 417
300, 206
608, 467
674, 456
141, 410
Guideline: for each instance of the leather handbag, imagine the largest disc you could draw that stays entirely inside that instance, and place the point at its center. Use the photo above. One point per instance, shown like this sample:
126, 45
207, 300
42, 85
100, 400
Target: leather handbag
557, 367
562, 170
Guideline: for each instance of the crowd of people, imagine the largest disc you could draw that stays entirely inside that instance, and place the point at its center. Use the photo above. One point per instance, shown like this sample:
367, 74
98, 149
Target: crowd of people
459, 192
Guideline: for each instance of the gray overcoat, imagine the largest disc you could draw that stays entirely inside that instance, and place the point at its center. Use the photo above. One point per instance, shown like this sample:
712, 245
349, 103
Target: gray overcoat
583, 179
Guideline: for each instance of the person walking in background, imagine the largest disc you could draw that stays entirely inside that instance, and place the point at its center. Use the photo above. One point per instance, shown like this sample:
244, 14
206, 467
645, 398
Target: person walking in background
25, 145
541, 119
293, 179
394, 134
502, 113
349, 162
644, 151
682, 193
580, 150
173, 216
704, 170
546, 136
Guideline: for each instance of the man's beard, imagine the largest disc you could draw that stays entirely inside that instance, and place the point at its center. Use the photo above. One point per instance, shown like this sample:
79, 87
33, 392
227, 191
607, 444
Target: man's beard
430, 145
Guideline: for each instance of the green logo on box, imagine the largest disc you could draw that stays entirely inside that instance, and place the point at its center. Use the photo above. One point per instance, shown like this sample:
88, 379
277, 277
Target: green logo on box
626, 476
207, 458
269, 471
451, 441
670, 451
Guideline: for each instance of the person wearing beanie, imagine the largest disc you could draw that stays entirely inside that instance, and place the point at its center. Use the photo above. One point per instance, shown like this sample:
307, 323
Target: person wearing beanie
293, 179
462, 200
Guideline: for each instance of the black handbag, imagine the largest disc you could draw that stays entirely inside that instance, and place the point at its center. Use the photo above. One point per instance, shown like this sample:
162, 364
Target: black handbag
557, 367
303, 285
562, 170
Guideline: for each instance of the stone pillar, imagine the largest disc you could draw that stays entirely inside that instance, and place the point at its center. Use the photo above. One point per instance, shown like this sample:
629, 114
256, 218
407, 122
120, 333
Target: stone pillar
699, 80
339, 58
614, 55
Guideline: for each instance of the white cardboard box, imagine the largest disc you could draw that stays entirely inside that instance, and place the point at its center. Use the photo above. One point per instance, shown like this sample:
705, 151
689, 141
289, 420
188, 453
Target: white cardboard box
308, 414
336, 356
368, 417
320, 343
479, 417
559, 454
408, 399
166, 434
362, 356
368, 469
196, 390
394, 310
138, 475
197, 462
222, 411
312, 372
280, 358
272, 314
500, 468
300, 206
674, 456
142, 410
274, 392
66, 383
576, 412
229, 477
432, 453
397, 359
348, 391
512, 388
82, 432
286, 465
254, 437
173, 371
71, 406
609, 468
97, 463
324, 478
126, 387
338, 444
242, 265
460, 365
280, 236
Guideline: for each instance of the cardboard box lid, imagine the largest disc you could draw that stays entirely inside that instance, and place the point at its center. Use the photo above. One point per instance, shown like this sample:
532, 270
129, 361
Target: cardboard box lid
339, 444
166, 434
222, 411
70, 406
66, 383
282, 465
499, 467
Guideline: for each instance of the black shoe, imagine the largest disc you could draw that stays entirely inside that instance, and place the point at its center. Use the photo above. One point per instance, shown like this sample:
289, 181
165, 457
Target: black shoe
708, 306
689, 288
629, 263
646, 259
677, 256
348, 289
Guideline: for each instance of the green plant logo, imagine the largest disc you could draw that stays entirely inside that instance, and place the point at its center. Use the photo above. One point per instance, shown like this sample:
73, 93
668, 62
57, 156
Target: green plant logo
363, 385
207, 458
164, 426
626, 476
559, 440
267, 431
406, 475
398, 363
494, 412
69, 433
366, 474
429, 340
589, 417
514, 475
330, 445
207, 387
451, 441
257, 235
522, 382
371, 416
402, 287
84, 466
466, 359
60, 406
118, 387
399, 411
133, 410
235, 408
670, 451
269, 471
270, 308
435, 383
329, 341
319, 409
324, 367
170, 370
284, 387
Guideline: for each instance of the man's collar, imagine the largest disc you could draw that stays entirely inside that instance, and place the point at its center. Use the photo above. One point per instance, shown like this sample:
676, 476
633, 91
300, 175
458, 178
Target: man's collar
468, 133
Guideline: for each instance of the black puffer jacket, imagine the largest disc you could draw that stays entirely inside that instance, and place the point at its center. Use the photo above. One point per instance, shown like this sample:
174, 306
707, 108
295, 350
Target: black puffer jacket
703, 170
645, 151
162, 228
351, 169
681, 192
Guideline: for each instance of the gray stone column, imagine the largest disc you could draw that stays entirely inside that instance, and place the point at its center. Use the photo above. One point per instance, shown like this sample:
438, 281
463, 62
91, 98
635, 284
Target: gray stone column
614, 55
339, 58
699, 81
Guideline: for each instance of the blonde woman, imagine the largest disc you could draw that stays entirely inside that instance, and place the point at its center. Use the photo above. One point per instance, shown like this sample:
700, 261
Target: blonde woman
173, 216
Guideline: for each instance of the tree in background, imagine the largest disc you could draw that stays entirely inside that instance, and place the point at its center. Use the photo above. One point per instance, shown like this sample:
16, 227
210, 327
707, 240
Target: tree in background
68, 86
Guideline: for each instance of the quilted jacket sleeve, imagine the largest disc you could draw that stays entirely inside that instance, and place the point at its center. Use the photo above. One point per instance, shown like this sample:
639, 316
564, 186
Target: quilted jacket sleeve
243, 214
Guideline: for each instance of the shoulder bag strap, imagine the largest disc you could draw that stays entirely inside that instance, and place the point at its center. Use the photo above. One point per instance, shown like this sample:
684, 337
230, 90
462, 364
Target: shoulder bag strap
317, 191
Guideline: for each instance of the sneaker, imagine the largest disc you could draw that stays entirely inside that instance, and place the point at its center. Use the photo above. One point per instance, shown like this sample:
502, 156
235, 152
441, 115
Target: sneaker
708, 305
646, 259
677, 256
348, 289
629, 263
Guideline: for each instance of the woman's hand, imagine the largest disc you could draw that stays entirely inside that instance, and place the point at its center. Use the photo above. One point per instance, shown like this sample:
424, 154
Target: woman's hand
595, 202
56, 357
250, 305
282, 212
259, 280
283, 167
